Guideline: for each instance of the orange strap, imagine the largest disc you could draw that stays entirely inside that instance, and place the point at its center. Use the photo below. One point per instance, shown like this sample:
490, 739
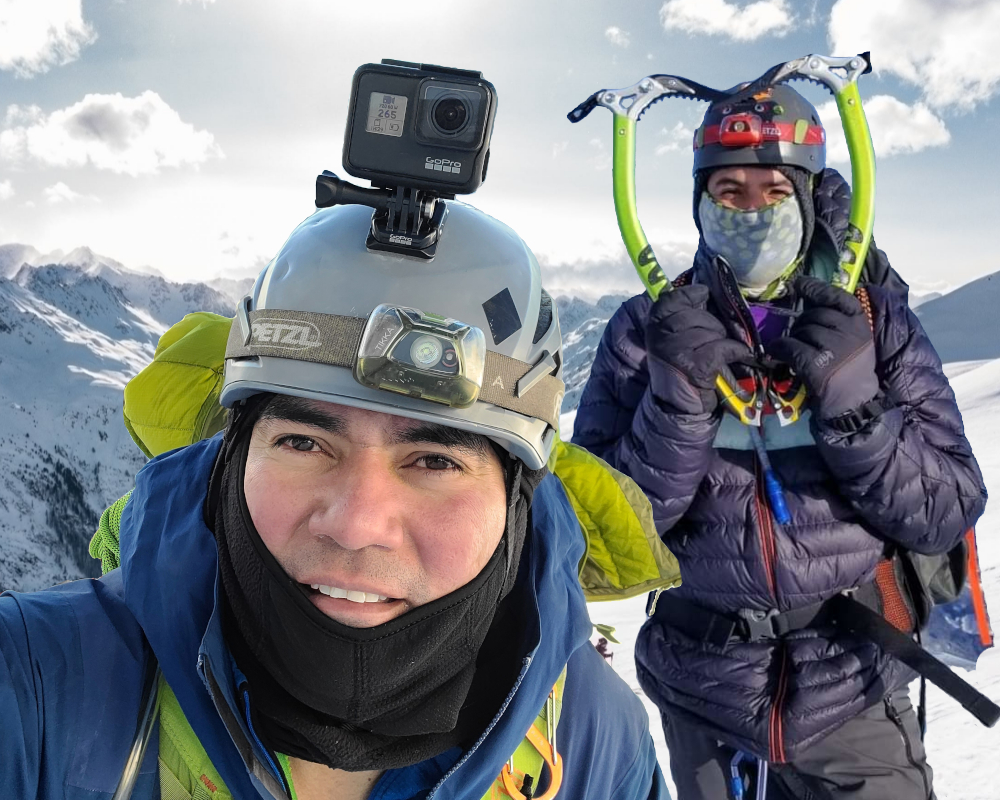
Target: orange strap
976, 590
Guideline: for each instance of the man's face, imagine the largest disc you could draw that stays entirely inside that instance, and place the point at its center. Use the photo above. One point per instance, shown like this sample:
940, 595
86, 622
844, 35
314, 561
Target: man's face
372, 504
748, 188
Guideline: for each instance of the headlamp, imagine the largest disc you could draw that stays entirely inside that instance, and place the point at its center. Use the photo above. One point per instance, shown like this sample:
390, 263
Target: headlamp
421, 355
741, 130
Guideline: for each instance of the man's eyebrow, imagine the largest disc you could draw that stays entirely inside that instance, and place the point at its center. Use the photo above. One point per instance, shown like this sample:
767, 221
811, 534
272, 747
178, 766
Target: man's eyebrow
432, 433
298, 409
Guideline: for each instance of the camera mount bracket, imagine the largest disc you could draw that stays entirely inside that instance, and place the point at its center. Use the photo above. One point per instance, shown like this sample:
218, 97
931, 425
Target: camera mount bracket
406, 220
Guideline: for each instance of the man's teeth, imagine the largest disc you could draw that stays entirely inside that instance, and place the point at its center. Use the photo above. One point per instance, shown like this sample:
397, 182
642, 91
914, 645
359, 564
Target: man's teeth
353, 596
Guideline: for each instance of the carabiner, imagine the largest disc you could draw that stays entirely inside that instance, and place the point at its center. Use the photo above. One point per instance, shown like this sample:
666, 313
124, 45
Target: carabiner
545, 744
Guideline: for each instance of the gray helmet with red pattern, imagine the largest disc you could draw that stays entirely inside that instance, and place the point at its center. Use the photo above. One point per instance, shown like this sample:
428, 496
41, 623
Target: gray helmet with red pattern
777, 127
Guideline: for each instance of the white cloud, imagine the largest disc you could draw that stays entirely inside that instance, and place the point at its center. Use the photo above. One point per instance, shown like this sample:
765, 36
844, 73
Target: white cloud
558, 148
897, 128
6, 190
127, 135
948, 48
743, 23
36, 35
601, 160
617, 36
678, 137
61, 193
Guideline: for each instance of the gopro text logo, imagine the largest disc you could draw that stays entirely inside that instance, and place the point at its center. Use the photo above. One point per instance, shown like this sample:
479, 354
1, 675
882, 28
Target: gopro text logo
442, 165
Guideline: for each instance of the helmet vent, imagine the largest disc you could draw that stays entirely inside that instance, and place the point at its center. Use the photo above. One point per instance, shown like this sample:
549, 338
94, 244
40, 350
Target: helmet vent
544, 317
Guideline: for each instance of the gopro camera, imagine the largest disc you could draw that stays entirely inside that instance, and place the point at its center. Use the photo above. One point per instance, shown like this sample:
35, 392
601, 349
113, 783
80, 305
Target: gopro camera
421, 126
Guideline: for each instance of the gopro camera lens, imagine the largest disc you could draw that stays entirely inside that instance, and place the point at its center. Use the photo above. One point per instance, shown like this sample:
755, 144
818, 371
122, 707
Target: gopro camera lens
450, 114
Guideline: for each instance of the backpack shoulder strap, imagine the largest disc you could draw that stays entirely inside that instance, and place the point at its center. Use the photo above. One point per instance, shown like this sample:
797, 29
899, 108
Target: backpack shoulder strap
537, 750
186, 772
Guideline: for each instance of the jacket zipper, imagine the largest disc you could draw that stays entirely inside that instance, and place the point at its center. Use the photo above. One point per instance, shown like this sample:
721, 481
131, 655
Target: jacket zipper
776, 732
893, 715
272, 761
766, 531
768, 546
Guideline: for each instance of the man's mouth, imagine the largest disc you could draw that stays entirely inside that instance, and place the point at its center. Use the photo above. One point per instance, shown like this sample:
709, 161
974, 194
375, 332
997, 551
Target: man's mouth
353, 595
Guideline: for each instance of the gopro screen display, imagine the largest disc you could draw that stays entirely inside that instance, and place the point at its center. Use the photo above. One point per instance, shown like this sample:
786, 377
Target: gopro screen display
386, 113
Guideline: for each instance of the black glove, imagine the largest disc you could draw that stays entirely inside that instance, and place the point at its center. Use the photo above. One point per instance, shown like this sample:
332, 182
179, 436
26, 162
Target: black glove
687, 348
831, 349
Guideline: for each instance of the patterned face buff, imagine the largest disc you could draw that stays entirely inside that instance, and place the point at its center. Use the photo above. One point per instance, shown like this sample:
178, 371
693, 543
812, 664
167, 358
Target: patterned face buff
761, 246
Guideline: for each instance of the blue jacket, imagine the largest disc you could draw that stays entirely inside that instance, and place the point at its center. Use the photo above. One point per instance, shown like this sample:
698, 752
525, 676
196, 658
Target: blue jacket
909, 479
72, 660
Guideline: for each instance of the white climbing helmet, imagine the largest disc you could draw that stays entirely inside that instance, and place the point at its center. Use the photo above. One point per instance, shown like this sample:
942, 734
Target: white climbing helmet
467, 339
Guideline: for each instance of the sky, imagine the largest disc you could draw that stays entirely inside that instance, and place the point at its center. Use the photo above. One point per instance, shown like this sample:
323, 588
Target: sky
185, 135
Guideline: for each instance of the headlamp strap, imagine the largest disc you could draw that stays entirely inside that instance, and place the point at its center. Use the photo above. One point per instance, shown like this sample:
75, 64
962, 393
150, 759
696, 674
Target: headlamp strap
334, 340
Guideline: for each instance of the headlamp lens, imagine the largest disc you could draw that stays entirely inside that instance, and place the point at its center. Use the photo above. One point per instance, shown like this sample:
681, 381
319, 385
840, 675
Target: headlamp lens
426, 351
422, 355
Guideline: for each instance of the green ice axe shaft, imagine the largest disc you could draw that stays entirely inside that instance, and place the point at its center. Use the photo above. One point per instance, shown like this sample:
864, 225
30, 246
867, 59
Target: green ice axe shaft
641, 252
840, 76
862, 217
636, 243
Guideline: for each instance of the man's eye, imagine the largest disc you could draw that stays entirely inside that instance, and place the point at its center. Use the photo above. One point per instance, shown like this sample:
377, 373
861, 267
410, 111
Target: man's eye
301, 443
437, 463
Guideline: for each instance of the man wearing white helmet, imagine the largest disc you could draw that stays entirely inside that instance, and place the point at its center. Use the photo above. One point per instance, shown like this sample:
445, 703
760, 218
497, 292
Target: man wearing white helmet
785, 647
368, 585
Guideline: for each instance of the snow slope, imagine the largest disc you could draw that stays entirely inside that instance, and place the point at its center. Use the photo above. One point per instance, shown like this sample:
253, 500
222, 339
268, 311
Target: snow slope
963, 323
962, 752
71, 335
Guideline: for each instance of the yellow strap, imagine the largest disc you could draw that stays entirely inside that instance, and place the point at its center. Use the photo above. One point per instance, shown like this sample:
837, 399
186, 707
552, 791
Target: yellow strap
186, 772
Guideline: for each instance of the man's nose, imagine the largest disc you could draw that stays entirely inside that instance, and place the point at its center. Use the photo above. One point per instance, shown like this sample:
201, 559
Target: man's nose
752, 200
365, 507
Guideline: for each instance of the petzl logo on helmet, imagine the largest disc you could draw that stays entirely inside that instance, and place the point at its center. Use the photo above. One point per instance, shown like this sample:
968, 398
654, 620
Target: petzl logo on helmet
286, 335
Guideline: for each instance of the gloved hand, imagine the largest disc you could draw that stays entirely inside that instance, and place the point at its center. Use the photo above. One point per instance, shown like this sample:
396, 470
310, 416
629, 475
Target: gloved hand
831, 349
687, 348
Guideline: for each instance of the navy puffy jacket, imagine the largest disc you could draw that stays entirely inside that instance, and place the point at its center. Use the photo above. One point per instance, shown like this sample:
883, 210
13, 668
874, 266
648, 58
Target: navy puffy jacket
908, 478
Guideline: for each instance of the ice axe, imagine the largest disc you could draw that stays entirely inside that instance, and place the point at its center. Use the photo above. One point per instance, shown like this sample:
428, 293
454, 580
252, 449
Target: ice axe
838, 75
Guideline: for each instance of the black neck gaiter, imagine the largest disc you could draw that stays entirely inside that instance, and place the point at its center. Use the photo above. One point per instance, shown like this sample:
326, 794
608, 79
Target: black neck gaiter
358, 698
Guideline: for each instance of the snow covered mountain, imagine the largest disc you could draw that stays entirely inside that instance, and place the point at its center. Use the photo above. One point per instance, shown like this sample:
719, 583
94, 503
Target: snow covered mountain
72, 333
582, 325
963, 323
